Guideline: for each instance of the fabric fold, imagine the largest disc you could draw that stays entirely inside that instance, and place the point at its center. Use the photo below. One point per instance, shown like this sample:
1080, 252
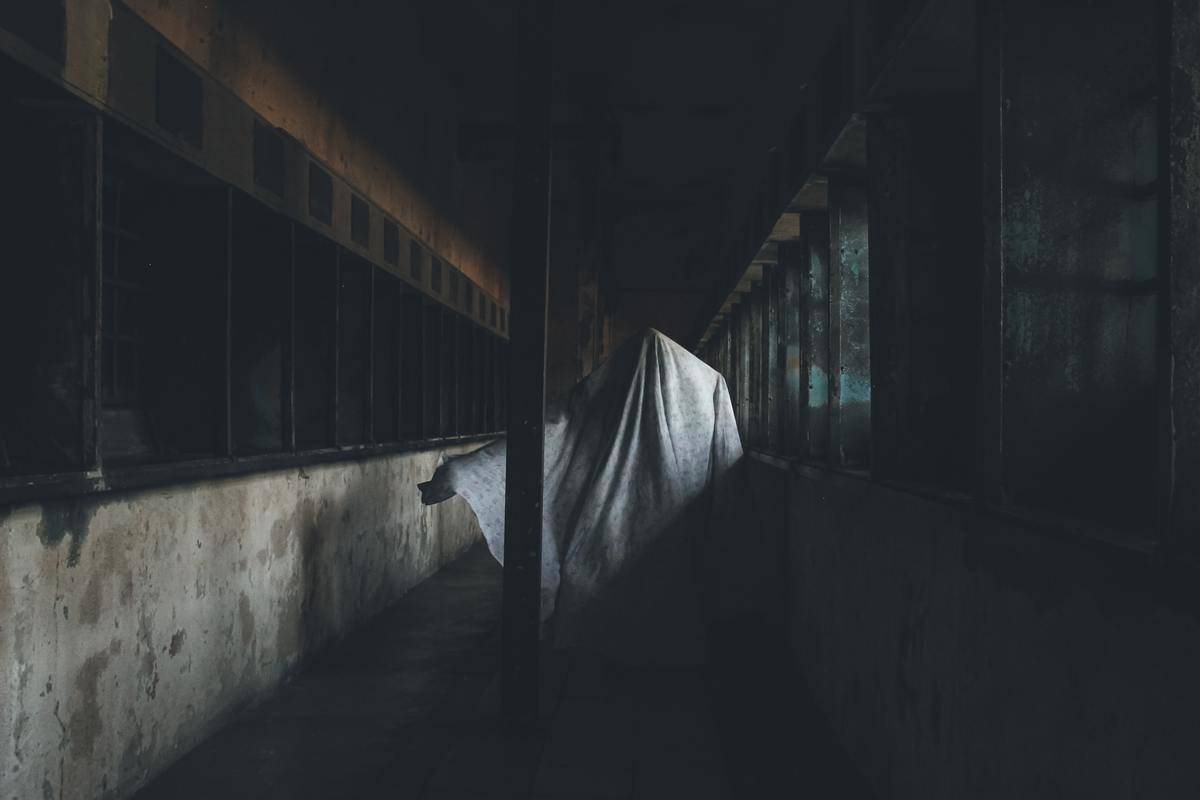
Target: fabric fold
640, 476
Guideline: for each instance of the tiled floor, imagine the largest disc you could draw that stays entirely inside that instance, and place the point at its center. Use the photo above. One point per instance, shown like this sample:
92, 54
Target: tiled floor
408, 707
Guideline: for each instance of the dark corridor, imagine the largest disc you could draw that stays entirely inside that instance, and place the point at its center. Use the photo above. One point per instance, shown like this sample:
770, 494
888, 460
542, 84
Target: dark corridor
269, 266
409, 707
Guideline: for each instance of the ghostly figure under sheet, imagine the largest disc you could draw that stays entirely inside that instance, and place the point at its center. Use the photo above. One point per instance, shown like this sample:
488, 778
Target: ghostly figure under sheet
645, 518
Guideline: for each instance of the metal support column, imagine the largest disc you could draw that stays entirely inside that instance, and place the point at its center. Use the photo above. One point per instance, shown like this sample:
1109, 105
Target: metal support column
527, 373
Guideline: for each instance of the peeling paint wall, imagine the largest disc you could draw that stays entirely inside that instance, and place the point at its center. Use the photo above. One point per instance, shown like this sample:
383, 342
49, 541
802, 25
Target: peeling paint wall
132, 625
958, 656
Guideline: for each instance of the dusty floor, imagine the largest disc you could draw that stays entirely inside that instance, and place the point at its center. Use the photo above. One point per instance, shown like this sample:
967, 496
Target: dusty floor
407, 708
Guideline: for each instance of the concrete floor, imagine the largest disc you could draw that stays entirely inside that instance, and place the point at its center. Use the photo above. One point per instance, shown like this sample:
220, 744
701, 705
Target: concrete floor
407, 707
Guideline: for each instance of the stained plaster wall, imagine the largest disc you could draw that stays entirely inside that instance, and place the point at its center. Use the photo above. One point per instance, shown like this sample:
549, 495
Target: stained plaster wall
132, 625
962, 656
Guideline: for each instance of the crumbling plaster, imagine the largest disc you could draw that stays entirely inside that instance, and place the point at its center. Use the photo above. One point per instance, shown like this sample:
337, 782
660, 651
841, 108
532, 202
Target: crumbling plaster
132, 625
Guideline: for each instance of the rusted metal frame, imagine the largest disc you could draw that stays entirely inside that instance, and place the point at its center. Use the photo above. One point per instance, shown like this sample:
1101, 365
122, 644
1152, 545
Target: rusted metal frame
477, 400
794, 396
771, 344
889, 310
835, 336
803, 433
463, 359
445, 405
849, 427
764, 361
431, 376
485, 380
734, 318
411, 327
399, 312
227, 410
488, 380
453, 355
462, 372
750, 374
722, 349
450, 355
369, 432
335, 410
496, 385
468, 391
501, 385
730, 361
740, 363
289, 348
521, 612
779, 412
727, 352
780, 354
754, 344
818, 335
735, 366
1178, 467
989, 484
113, 309
91, 362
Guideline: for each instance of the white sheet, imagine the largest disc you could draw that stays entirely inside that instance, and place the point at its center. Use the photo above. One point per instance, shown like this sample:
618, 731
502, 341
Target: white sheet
643, 516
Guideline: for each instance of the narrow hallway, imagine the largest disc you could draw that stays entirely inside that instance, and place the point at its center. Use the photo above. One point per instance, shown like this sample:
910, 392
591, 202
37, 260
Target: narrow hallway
408, 707
836, 362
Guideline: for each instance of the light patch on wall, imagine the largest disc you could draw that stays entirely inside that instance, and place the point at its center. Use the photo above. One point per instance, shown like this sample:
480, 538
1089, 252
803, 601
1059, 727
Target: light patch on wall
818, 387
854, 389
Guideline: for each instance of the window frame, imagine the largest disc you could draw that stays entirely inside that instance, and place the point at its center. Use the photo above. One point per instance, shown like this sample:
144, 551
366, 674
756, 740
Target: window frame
93, 475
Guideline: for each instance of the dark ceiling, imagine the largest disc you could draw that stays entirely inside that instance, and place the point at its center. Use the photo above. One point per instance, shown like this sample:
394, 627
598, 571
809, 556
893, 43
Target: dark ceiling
693, 97
696, 94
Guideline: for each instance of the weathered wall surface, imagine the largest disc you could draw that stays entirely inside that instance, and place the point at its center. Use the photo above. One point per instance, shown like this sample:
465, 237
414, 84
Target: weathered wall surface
131, 625
958, 656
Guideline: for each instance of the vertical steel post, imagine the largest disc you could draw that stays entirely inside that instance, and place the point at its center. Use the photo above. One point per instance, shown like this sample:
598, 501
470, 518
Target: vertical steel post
92, 245
227, 398
990, 446
527, 374
289, 349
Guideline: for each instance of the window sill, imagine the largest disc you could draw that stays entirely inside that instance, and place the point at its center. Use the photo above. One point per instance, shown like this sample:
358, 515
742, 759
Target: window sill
33, 488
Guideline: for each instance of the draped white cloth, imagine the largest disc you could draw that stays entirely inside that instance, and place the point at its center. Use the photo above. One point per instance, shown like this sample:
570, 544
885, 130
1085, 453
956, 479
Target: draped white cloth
644, 512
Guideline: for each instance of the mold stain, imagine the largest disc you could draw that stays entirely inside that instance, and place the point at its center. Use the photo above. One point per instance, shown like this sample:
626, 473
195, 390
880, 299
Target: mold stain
62, 519
86, 724
246, 617
90, 604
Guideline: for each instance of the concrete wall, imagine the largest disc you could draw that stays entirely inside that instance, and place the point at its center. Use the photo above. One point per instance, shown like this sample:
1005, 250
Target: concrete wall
132, 625
958, 656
